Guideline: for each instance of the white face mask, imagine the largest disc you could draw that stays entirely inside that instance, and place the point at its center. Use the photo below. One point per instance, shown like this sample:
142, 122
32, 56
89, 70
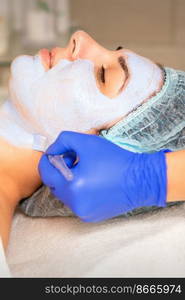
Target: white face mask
67, 98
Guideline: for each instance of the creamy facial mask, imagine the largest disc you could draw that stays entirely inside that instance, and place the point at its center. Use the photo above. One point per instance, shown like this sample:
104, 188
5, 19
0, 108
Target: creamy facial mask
42, 104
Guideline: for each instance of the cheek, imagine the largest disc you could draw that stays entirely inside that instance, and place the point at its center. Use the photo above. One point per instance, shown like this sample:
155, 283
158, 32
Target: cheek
18, 91
51, 101
20, 85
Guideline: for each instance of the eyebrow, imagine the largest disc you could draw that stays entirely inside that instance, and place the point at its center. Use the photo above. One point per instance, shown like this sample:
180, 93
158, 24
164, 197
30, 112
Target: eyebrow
123, 65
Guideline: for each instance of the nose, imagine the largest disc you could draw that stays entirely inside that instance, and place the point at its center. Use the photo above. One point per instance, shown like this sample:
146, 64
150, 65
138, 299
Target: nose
83, 46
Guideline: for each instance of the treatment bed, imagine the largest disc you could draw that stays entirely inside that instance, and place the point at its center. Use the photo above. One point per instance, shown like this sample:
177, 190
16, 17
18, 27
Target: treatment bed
150, 244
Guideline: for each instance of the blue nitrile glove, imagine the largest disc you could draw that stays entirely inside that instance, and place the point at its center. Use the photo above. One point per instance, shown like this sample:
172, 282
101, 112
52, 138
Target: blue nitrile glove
108, 180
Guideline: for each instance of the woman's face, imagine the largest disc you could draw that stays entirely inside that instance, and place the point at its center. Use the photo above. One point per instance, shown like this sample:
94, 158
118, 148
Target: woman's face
110, 69
80, 87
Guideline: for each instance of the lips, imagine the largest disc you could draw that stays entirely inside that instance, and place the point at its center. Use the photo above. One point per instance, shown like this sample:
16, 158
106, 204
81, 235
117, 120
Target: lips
53, 55
46, 58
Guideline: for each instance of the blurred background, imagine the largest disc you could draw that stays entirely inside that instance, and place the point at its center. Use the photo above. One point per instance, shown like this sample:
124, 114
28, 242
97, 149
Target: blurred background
153, 28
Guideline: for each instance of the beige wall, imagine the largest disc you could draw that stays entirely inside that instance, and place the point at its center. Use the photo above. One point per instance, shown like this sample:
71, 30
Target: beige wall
155, 28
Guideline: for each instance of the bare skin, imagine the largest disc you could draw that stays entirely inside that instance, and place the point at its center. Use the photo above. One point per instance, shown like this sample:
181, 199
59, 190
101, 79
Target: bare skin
19, 179
175, 175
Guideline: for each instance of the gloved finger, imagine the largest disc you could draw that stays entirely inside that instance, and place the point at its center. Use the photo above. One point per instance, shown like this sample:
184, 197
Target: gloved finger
68, 141
70, 158
49, 174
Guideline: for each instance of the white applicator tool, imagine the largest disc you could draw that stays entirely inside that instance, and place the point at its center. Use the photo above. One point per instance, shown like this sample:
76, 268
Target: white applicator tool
58, 162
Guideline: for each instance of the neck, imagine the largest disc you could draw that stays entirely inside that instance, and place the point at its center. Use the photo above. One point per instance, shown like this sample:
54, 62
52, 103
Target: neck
19, 179
18, 172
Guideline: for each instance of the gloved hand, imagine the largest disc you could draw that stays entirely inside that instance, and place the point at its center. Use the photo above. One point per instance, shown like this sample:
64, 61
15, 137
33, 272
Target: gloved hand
108, 180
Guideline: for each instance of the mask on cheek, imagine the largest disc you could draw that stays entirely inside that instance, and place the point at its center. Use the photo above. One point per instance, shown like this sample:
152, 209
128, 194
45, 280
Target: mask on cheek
65, 98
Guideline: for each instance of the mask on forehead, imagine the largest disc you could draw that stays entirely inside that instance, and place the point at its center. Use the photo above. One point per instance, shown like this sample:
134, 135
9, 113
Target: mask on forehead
67, 98
157, 124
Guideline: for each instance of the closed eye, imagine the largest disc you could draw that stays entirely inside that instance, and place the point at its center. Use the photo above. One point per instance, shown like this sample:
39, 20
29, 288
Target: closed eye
102, 69
101, 74
74, 46
119, 48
